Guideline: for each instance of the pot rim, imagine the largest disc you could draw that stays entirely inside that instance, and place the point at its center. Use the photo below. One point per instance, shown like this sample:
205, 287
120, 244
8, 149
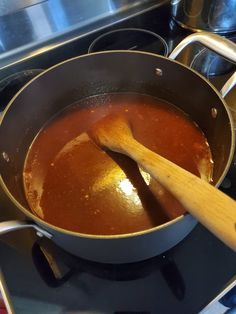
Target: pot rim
219, 30
126, 235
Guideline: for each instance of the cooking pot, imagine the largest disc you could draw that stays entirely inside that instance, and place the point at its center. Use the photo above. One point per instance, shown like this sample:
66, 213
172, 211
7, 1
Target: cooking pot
206, 61
108, 72
216, 16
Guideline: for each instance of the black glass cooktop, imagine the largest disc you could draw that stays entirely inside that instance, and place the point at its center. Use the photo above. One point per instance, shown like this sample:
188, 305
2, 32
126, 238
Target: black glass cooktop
41, 278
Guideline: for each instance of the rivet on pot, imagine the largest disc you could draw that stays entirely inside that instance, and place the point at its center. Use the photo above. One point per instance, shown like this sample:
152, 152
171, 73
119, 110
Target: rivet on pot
39, 234
214, 112
158, 71
5, 157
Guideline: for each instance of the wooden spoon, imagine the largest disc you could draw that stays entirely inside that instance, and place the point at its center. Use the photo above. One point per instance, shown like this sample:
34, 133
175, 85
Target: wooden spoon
215, 210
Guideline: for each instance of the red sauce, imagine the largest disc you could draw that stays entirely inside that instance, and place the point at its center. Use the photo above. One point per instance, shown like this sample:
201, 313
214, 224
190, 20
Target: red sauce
92, 191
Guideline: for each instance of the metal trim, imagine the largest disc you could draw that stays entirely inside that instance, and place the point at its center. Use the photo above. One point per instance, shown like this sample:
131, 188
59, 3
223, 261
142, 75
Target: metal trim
225, 290
5, 294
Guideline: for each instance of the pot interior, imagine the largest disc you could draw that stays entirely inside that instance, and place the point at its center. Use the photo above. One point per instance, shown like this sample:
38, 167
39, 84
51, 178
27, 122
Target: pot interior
109, 72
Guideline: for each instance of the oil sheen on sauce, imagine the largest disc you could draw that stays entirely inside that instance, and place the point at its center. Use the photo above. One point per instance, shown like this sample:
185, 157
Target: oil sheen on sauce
92, 191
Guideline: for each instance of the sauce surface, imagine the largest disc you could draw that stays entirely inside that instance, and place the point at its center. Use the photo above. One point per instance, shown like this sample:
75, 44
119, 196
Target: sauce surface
92, 191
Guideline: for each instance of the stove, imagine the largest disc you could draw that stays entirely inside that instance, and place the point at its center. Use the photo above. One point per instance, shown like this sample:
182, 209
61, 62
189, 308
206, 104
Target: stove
196, 276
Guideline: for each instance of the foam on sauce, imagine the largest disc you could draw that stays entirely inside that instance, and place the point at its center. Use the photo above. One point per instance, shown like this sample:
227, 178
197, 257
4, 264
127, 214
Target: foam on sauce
92, 191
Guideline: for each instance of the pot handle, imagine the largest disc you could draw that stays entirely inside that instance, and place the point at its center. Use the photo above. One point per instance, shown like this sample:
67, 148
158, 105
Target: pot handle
218, 44
228, 85
13, 225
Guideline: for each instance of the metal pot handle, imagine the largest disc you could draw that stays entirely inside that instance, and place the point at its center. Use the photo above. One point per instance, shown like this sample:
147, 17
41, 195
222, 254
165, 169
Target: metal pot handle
13, 225
228, 85
218, 44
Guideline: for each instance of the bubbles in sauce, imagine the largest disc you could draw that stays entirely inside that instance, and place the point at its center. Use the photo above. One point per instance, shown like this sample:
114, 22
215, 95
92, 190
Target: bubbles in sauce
92, 191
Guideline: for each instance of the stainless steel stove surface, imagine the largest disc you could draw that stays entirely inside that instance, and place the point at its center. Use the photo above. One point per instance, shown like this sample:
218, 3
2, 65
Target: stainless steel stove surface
38, 277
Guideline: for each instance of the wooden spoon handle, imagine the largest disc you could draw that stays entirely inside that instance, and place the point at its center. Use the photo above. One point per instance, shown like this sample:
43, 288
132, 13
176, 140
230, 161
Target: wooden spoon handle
215, 210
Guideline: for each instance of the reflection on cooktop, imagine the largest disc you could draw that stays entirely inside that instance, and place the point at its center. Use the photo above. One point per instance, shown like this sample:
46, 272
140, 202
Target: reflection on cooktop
56, 266
130, 39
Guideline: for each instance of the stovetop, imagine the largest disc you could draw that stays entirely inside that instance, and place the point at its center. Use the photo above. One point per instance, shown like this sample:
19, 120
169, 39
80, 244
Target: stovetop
41, 278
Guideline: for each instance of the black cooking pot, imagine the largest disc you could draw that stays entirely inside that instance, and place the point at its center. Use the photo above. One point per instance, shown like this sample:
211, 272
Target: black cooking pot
109, 72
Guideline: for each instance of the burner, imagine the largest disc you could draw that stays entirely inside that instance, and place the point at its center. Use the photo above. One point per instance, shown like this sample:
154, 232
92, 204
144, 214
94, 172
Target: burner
130, 39
10, 85
57, 266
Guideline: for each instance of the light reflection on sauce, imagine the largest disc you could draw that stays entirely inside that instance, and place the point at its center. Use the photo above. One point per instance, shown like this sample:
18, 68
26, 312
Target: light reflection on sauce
126, 187
96, 192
